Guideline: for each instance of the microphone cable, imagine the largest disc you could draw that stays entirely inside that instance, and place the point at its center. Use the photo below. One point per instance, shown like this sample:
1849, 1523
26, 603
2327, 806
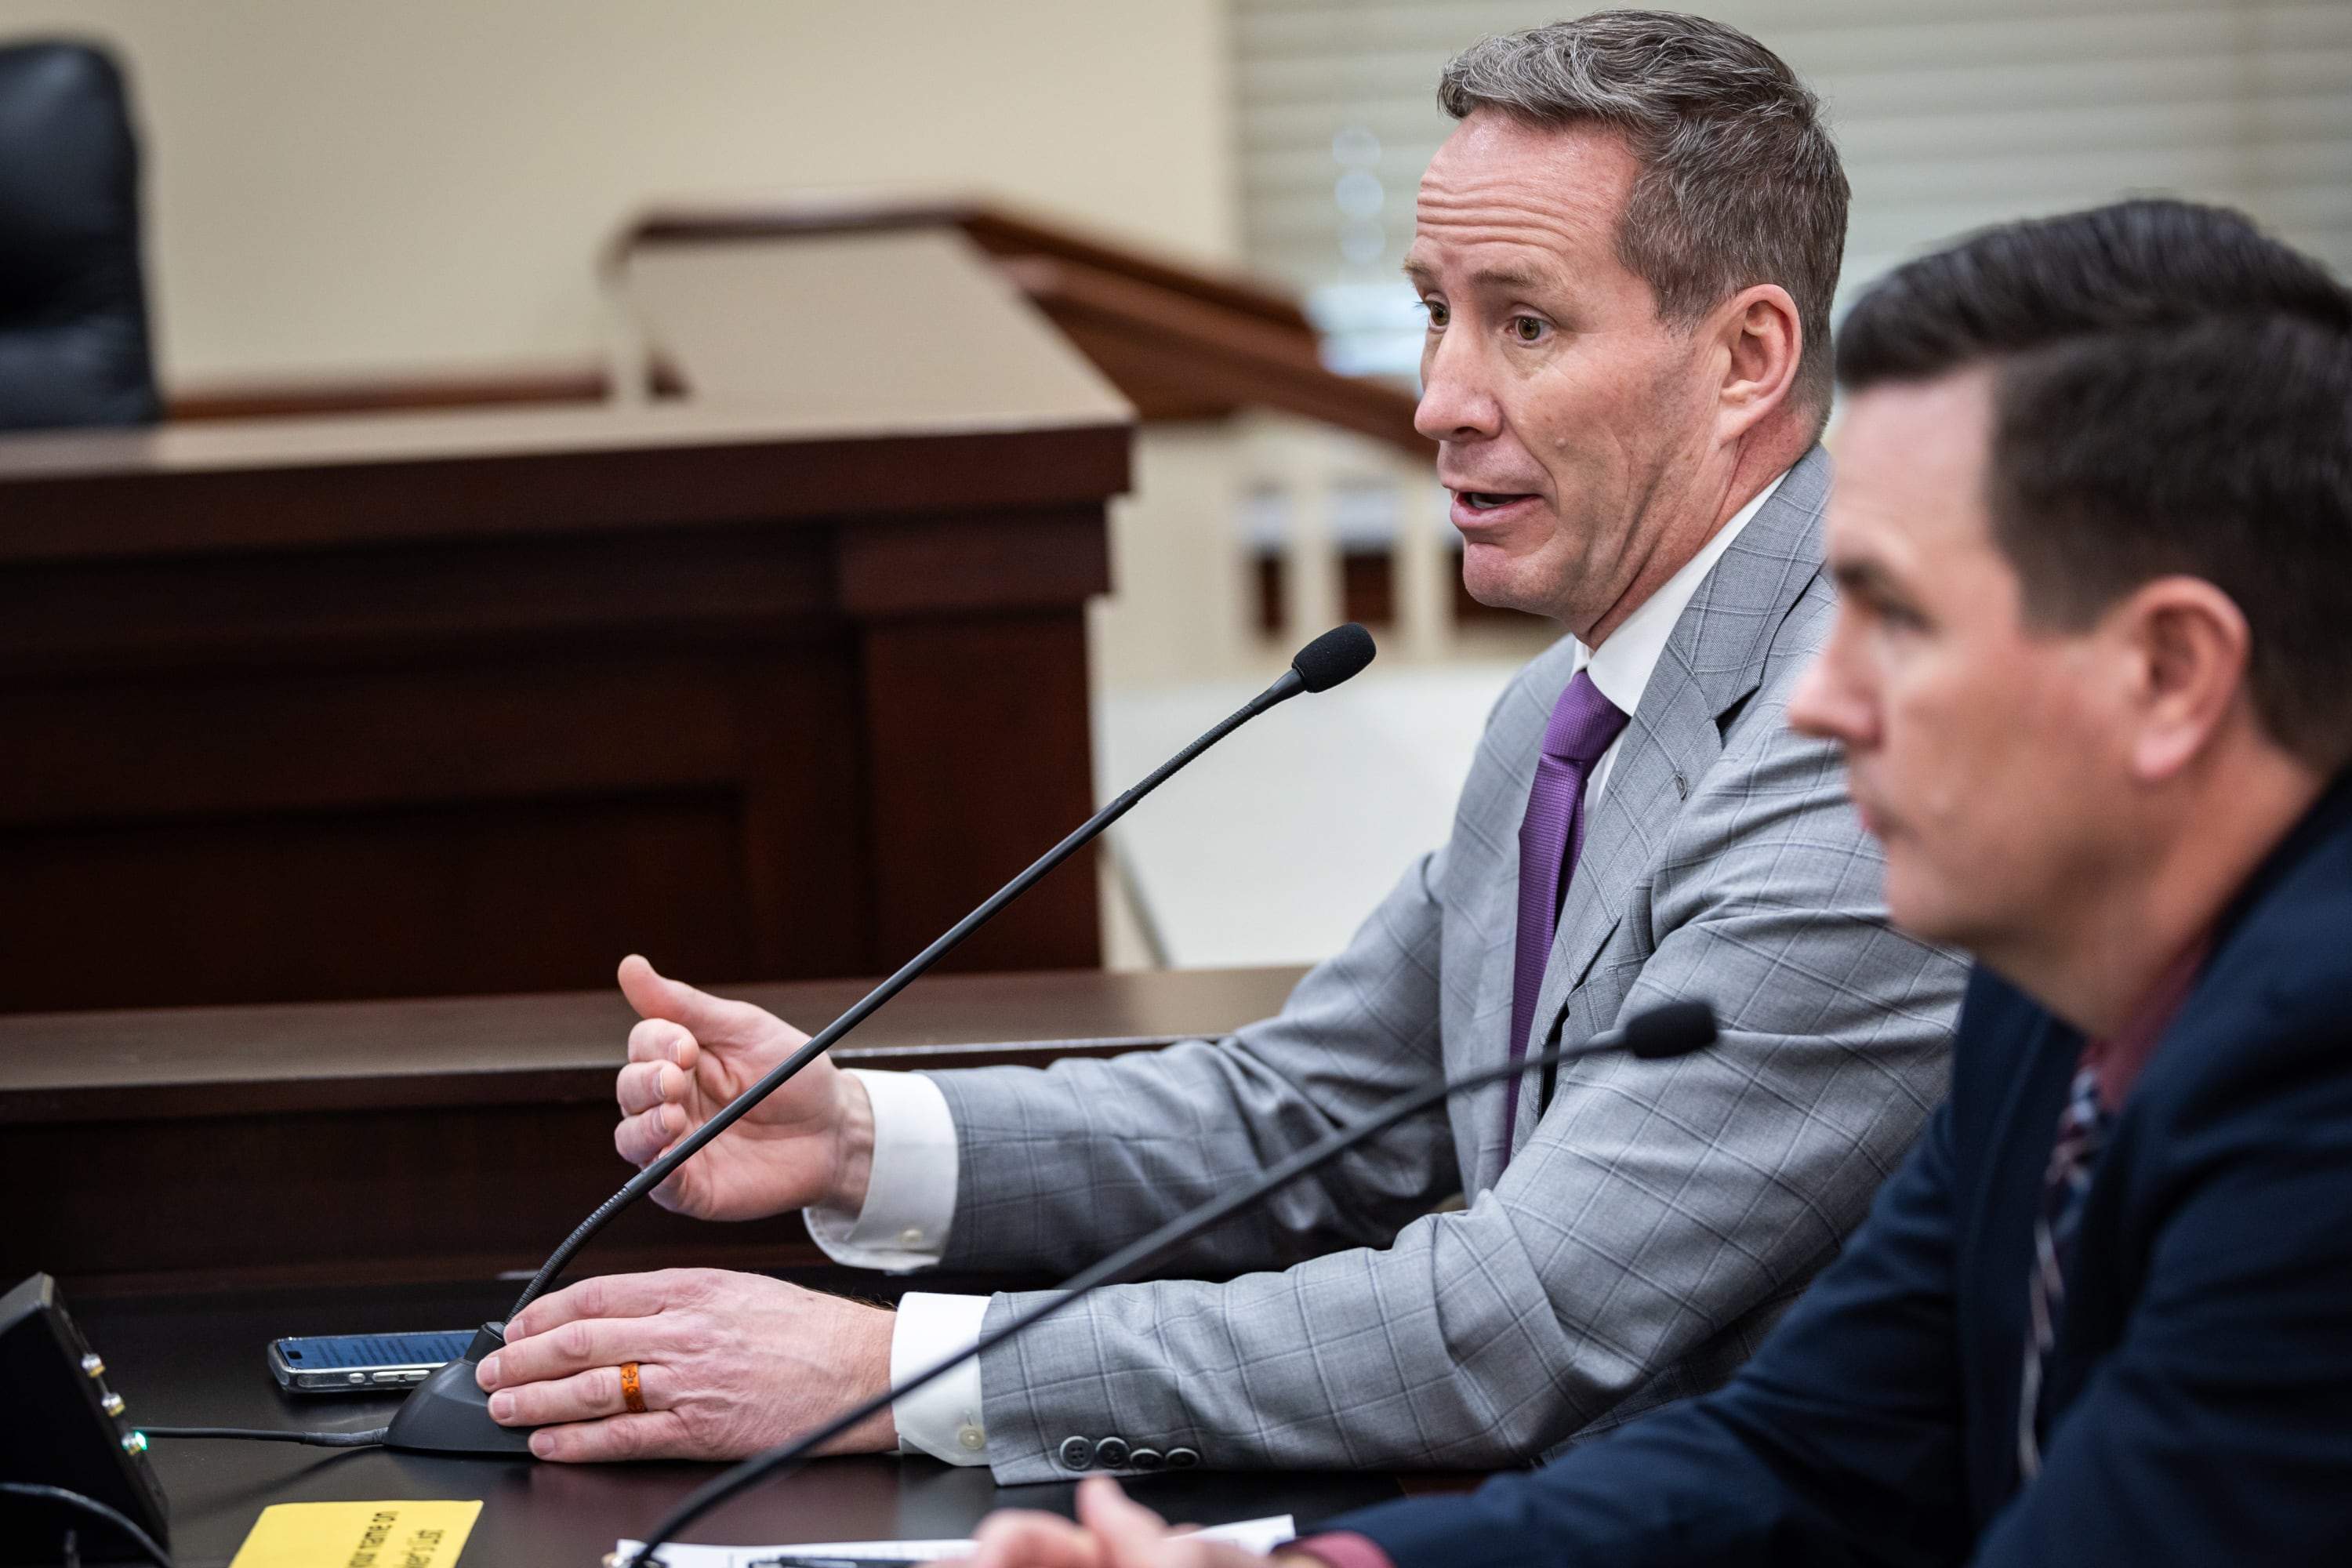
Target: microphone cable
367, 1439
1674, 1029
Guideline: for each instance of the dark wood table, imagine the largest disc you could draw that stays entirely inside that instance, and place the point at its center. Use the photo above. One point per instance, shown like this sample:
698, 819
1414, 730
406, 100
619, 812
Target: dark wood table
425, 704
198, 1362
446, 1140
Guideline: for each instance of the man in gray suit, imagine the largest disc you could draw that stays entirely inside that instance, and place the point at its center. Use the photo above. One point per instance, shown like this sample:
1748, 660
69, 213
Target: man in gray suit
1627, 250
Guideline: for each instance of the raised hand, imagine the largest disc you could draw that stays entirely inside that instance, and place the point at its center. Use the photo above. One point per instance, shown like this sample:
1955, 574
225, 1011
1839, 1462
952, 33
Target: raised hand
811, 1142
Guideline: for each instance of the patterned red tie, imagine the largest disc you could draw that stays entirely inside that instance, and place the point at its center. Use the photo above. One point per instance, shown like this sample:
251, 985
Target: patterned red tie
1551, 837
2082, 1132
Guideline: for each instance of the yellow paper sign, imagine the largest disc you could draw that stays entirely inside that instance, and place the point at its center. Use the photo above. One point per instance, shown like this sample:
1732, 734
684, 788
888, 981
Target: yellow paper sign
399, 1534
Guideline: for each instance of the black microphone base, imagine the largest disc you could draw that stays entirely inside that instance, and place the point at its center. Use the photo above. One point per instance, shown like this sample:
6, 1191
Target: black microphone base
449, 1414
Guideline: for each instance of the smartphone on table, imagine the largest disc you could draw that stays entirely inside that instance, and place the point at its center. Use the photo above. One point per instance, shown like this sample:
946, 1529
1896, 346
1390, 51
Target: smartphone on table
362, 1364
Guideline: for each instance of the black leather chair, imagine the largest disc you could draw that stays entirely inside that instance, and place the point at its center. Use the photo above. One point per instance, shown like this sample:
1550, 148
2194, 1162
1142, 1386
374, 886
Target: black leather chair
73, 303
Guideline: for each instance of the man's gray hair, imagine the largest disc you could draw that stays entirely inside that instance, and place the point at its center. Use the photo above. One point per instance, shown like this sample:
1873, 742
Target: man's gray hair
1740, 183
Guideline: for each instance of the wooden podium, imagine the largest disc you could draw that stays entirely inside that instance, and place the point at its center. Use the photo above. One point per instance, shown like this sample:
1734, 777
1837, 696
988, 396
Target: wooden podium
422, 704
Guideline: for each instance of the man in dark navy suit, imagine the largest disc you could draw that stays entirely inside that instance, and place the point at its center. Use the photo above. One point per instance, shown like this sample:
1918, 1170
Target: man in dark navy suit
2093, 674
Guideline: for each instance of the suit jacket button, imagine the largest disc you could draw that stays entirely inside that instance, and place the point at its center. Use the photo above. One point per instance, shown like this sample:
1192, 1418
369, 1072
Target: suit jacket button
1145, 1459
1183, 1458
1078, 1454
1111, 1453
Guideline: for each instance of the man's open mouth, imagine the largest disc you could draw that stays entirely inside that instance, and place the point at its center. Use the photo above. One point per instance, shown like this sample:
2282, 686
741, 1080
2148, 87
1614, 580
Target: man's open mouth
1488, 501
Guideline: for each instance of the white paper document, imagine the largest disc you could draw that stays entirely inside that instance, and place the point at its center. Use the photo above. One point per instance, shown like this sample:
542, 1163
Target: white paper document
1253, 1534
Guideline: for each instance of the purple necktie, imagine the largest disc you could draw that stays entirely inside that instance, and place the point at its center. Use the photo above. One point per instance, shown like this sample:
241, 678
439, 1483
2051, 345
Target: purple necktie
1551, 837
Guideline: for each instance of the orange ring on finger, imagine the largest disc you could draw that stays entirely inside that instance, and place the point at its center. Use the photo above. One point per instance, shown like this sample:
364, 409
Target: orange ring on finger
633, 1394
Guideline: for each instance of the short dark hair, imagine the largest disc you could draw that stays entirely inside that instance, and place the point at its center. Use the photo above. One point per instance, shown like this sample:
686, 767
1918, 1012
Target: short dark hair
1740, 183
2172, 394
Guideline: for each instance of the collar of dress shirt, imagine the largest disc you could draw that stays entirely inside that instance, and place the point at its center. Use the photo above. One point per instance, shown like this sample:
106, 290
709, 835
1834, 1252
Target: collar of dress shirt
2120, 1058
1620, 667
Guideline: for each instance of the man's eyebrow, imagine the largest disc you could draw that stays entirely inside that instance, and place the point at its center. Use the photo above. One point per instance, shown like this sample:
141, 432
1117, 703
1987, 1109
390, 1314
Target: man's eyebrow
1863, 577
1511, 277
1522, 278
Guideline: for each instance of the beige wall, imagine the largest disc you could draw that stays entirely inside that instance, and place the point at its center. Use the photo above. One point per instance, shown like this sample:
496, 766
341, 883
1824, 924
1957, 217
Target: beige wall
358, 185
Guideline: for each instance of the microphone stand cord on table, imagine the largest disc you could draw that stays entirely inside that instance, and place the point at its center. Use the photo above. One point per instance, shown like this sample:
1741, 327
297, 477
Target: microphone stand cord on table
367, 1439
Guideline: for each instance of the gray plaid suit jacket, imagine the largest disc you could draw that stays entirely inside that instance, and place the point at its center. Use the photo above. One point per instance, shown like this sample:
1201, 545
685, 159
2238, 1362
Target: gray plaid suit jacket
1651, 1223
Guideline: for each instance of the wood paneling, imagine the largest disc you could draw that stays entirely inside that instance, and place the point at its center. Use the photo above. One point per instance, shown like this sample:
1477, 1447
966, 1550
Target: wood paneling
419, 901
311, 709
206, 489
446, 1139
278, 397
1176, 357
959, 706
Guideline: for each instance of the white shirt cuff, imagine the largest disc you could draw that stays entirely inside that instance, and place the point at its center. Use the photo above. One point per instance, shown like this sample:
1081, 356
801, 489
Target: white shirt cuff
911, 1191
941, 1418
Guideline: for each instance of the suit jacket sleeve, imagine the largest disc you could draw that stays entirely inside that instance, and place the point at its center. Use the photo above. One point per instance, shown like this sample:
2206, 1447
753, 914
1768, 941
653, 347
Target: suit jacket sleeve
1662, 1212
1060, 1166
1838, 1444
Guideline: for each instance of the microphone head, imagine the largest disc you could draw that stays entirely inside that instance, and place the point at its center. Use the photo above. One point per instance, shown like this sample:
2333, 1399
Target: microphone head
1340, 654
1675, 1029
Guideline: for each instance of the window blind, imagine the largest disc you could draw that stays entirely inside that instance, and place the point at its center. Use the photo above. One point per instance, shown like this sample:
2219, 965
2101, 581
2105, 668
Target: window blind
1951, 114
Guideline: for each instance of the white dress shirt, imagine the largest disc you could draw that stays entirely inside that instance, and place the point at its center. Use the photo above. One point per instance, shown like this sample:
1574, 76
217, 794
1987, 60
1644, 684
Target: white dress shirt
910, 1195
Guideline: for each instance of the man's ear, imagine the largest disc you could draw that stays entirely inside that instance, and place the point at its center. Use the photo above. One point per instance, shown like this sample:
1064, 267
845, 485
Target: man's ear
1761, 338
2189, 646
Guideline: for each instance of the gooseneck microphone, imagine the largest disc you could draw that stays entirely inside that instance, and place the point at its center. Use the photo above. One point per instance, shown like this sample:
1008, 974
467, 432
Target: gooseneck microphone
448, 1412
1674, 1029
1321, 665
